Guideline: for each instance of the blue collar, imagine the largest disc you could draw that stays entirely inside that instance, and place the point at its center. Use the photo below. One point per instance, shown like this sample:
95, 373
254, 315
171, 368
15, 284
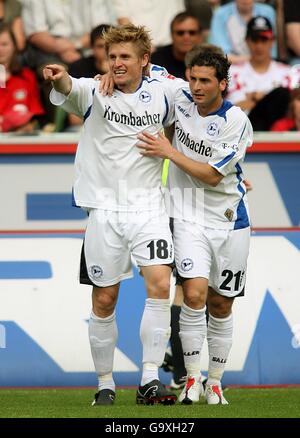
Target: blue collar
221, 112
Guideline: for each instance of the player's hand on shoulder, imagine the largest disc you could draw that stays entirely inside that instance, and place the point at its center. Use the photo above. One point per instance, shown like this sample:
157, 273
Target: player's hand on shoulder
106, 84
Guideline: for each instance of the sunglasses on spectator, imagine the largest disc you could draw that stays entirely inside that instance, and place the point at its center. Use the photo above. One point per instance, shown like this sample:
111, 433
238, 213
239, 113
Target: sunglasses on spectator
191, 32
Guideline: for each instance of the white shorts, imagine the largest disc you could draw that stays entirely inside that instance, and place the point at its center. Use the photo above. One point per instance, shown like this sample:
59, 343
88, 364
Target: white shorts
218, 255
112, 238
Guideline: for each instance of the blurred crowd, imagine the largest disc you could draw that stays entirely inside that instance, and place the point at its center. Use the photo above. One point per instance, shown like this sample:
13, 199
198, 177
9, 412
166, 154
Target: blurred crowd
260, 38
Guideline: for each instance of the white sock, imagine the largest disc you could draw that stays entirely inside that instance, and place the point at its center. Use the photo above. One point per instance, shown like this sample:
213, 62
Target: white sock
219, 338
192, 334
155, 333
103, 334
150, 372
106, 382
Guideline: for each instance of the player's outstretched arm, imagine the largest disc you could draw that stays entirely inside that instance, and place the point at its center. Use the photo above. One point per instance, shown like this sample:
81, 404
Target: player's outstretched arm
59, 77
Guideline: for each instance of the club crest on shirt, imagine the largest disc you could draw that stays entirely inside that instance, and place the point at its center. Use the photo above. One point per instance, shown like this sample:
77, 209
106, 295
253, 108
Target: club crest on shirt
187, 264
229, 214
96, 272
145, 96
212, 129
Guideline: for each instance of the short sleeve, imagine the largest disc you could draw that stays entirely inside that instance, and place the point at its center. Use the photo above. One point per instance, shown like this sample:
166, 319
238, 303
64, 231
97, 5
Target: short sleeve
171, 86
79, 99
231, 145
157, 71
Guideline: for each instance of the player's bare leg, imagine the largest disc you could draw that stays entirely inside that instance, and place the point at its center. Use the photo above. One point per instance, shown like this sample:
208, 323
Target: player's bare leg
219, 338
103, 333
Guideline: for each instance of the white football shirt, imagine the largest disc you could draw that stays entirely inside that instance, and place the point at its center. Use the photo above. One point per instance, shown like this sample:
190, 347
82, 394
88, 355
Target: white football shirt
219, 139
110, 172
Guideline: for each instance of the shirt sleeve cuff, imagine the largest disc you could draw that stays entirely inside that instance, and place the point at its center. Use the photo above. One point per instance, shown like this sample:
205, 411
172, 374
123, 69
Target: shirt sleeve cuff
57, 98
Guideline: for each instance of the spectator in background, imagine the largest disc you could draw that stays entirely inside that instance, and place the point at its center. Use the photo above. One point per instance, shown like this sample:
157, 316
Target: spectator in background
156, 15
292, 25
260, 86
10, 13
280, 27
186, 32
229, 23
19, 99
97, 62
203, 10
292, 121
59, 31
91, 66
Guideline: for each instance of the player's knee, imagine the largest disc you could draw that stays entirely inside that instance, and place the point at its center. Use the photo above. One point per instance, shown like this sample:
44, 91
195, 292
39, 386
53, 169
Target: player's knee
194, 299
219, 310
159, 288
103, 303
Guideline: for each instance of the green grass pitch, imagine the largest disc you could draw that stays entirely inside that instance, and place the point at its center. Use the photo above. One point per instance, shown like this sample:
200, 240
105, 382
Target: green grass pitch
76, 403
